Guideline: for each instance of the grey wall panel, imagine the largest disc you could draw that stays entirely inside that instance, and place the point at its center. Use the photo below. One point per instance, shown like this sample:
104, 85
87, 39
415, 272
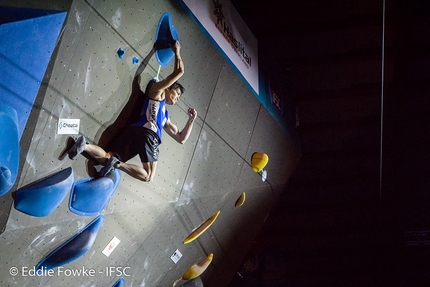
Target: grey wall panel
203, 64
89, 90
64, 281
88, 81
235, 229
151, 263
189, 216
47, 237
5, 207
47, 110
132, 227
174, 158
270, 138
214, 168
233, 111
192, 214
16, 253
132, 193
135, 21
97, 82
248, 179
61, 214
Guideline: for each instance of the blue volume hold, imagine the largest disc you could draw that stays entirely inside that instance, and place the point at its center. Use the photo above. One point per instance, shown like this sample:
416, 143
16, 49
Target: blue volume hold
43, 197
89, 196
9, 148
119, 283
26, 47
165, 36
73, 248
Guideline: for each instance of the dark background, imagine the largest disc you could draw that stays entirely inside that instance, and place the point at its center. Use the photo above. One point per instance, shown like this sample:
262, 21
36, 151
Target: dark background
345, 219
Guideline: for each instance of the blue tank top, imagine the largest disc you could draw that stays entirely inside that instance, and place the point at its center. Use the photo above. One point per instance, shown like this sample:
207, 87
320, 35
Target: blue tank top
154, 116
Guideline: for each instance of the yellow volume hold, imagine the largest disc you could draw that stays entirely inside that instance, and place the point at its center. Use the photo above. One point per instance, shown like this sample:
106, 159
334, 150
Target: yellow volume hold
197, 269
258, 161
240, 200
202, 228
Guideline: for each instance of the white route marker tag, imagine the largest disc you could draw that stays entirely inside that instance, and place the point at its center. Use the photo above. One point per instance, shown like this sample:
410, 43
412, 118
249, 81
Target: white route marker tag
176, 256
111, 246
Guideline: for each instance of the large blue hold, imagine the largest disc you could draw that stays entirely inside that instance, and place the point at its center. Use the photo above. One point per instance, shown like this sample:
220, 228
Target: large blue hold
9, 148
43, 197
28, 39
73, 248
89, 196
165, 36
119, 282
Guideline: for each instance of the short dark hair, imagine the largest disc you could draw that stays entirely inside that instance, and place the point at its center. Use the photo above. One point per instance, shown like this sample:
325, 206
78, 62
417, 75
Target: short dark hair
177, 85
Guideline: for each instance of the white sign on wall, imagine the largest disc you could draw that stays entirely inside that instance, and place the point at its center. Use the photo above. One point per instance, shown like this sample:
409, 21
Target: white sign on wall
68, 126
176, 256
226, 27
111, 246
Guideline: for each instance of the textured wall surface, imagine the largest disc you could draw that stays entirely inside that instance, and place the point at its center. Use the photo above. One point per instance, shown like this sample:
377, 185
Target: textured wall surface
86, 80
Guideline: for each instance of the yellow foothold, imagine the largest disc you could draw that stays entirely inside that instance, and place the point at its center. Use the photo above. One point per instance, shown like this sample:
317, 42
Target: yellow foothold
197, 269
240, 200
259, 161
202, 228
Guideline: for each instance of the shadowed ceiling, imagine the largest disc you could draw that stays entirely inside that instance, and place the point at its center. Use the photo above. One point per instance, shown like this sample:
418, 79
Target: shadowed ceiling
356, 211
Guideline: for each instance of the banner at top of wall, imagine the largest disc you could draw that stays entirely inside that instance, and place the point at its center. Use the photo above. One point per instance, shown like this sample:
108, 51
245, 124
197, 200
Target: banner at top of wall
220, 21
226, 28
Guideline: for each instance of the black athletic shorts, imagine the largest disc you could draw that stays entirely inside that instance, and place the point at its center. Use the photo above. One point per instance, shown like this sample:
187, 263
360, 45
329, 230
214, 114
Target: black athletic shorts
134, 141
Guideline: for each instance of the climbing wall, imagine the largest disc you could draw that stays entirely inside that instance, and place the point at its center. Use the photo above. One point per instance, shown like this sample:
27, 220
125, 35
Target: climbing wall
87, 80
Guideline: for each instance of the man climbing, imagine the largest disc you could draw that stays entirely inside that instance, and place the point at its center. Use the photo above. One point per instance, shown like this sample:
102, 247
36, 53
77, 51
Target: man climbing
144, 137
